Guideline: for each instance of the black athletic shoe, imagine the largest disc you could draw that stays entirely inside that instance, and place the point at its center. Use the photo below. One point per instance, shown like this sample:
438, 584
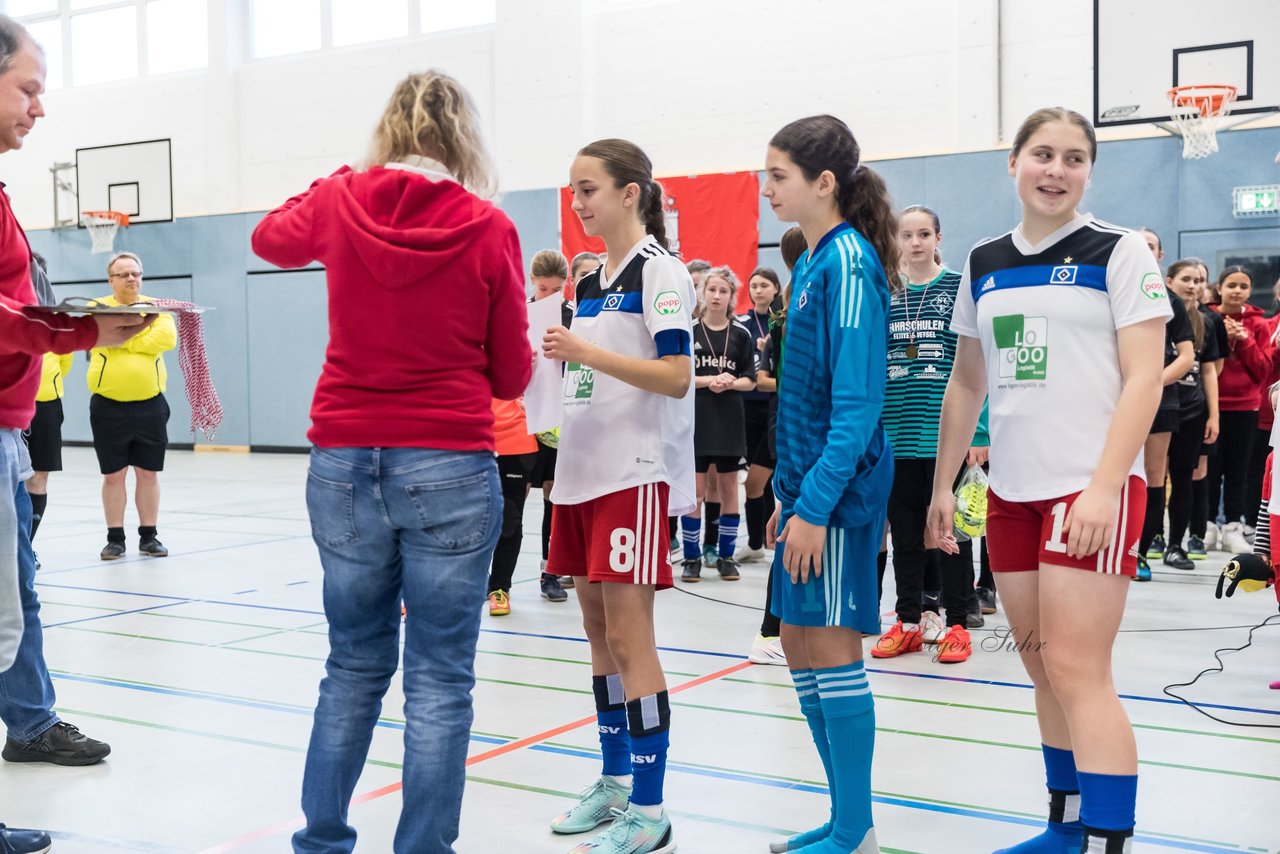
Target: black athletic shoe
112, 550
974, 620
15, 840
151, 547
691, 570
60, 744
728, 569
987, 600
1177, 558
551, 589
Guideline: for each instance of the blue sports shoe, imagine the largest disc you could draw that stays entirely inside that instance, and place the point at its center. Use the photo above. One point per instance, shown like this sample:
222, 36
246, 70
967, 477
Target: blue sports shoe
710, 556
632, 833
595, 806
14, 840
1144, 570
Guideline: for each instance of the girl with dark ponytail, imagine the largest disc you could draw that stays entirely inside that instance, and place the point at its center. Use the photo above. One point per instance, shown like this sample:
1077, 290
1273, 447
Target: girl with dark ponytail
834, 464
625, 464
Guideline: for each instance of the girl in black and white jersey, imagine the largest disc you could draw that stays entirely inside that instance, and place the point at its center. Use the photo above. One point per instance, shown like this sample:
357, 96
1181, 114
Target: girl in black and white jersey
1198, 404
766, 292
724, 361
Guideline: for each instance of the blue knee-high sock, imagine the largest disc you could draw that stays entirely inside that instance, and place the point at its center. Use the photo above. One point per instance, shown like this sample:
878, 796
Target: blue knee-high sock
1064, 833
690, 529
728, 533
1107, 807
649, 718
611, 721
811, 708
849, 710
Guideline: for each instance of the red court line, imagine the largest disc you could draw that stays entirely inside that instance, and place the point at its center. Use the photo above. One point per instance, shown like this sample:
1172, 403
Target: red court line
298, 821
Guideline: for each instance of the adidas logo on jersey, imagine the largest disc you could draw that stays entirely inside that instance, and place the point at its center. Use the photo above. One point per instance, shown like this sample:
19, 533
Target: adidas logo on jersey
988, 284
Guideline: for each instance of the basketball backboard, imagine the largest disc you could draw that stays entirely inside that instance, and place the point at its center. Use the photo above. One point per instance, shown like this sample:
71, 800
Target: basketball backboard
135, 178
1143, 48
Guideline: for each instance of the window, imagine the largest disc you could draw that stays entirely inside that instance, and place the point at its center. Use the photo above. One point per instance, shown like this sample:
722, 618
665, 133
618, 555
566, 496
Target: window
104, 46
439, 15
100, 41
177, 35
358, 21
285, 26
49, 36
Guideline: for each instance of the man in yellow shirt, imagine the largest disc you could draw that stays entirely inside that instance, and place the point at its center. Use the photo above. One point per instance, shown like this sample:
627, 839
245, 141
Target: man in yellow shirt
129, 415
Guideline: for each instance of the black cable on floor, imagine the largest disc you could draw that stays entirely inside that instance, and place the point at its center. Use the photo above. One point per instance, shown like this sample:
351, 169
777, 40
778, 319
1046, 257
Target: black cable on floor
689, 592
1219, 669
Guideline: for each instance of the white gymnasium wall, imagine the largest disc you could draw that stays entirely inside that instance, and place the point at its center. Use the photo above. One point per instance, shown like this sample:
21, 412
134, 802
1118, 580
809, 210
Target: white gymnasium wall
700, 84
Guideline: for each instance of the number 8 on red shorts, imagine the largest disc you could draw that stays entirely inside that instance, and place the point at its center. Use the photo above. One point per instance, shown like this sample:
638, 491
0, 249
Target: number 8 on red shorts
619, 537
1022, 535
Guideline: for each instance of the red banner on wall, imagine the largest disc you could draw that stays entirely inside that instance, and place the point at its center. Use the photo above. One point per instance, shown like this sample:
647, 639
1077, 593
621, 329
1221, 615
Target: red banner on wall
711, 217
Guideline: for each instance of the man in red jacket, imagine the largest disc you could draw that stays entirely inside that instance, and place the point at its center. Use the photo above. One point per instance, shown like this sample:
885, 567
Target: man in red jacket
35, 733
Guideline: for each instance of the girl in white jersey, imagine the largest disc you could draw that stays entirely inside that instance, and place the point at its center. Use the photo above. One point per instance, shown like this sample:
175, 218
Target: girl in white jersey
626, 460
1062, 322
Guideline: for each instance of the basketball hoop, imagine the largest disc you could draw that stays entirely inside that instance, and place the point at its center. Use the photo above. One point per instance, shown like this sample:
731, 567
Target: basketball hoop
102, 227
1196, 111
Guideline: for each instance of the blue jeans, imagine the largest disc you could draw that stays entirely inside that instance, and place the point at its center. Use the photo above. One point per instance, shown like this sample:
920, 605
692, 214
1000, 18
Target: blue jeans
26, 692
393, 523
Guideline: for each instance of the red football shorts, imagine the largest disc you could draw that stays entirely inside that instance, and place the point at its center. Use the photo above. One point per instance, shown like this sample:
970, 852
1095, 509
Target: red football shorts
621, 537
1023, 535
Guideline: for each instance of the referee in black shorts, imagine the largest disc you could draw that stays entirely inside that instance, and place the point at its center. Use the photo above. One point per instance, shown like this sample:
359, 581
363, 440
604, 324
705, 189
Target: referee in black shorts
129, 415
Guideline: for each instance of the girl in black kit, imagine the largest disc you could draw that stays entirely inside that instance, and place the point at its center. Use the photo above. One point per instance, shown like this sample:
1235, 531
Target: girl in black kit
724, 363
766, 292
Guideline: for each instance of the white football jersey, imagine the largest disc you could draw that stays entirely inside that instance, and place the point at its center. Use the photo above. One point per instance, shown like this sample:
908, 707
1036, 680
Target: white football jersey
614, 435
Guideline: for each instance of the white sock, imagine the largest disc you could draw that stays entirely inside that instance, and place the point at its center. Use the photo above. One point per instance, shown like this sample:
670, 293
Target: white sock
623, 780
653, 813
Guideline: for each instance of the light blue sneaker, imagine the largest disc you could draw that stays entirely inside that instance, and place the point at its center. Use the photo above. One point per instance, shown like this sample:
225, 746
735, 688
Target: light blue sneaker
595, 806
710, 556
631, 833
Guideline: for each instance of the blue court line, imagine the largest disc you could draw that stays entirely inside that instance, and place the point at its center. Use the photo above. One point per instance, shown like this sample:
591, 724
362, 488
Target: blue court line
116, 614
734, 776
735, 656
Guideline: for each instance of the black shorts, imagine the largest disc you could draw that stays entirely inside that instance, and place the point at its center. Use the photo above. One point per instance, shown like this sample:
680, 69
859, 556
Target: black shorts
1166, 420
132, 433
544, 467
759, 450
722, 464
44, 439
1187, 442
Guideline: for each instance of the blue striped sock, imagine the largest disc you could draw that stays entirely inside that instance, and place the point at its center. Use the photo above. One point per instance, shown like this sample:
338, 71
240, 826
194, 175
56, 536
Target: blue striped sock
1107, 808
650, 721
849, 711
690, 530
728, 534
1064, 832
611, 723
811, 708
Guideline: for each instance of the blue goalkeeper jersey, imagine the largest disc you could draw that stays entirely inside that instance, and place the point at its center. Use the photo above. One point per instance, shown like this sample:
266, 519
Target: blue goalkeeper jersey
835, 464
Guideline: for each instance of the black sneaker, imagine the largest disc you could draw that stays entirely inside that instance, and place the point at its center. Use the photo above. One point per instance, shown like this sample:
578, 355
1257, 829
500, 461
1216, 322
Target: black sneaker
112, 550
987, 600
728, 569
151, 547
691, 570
551, 589
1177, 558
15, 840
60, 744
1155, 551
973, 619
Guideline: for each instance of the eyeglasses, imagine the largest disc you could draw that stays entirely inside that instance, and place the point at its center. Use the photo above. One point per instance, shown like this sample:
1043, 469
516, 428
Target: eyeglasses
137, 275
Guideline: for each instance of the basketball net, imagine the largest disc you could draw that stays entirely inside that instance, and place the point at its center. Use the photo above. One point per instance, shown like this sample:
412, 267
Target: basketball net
1197, 113
102, 226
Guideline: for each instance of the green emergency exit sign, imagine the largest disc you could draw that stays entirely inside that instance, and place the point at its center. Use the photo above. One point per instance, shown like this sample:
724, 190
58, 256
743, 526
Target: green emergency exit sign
1258, 200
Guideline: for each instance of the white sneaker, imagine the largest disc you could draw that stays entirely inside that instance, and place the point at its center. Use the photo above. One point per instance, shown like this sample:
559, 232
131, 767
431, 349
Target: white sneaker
767, 651
1211, 537
932, 629
746, 554
1233, 541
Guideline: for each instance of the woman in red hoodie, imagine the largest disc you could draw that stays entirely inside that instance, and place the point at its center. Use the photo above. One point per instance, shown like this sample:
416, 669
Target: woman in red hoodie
1239, 389
427, 325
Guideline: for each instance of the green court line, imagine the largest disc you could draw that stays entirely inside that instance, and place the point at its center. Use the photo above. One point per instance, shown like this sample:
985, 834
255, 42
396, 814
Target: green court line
723, 710
44, 601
